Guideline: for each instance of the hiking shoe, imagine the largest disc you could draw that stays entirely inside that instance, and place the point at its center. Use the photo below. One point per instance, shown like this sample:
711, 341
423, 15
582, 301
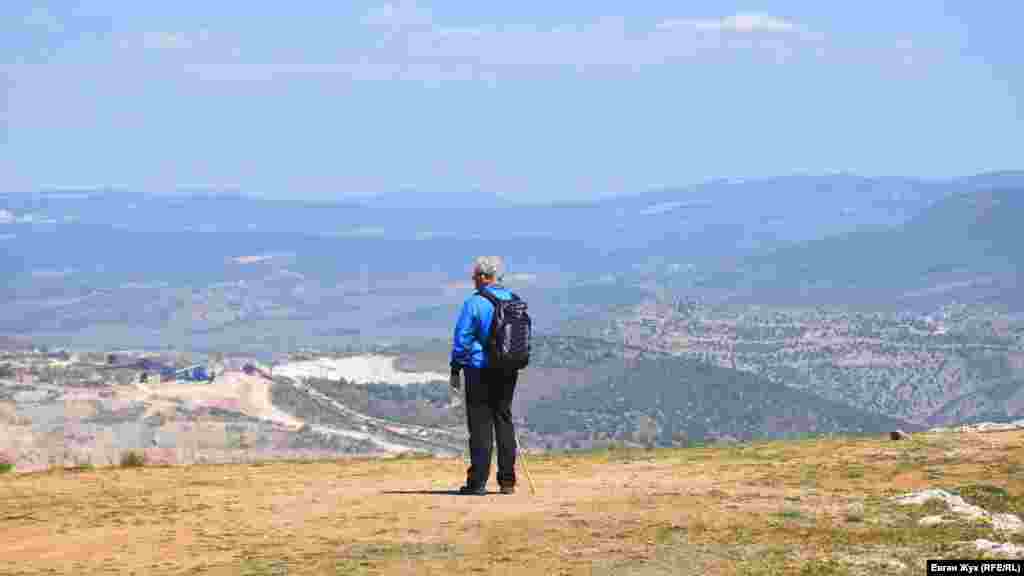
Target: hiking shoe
473, 491
508, 489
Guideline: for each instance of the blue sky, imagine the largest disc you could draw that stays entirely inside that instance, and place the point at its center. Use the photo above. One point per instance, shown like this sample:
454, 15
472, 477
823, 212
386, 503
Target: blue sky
531, 100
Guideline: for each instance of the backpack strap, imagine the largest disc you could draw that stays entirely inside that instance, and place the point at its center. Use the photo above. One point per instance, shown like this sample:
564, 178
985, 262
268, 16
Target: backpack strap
490, 297
494, 316
494, 299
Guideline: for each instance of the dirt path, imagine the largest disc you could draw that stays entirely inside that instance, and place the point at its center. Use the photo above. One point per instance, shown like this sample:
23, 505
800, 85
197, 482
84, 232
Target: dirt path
660, 512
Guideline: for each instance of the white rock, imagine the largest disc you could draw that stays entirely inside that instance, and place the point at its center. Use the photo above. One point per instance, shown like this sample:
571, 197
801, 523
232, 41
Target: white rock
29, 396
956, 503
1005, 522
997, 548
875, 561
983, 427
1009, 522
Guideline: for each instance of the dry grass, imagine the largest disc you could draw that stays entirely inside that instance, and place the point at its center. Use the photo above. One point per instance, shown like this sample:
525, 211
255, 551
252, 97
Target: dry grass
817, 506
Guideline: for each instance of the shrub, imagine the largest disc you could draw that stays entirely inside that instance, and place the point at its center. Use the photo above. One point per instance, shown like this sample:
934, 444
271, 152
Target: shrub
86, 467
133, 459
6, 461
992, 498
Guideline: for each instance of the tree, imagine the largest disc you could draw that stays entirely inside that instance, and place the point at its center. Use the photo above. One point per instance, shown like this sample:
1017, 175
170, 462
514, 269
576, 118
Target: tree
680, 438
646, 430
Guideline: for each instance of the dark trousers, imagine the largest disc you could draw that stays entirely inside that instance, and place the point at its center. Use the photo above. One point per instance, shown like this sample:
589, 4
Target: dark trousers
489, 418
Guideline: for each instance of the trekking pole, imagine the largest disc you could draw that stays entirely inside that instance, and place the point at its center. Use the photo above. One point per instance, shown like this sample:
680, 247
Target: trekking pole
533, 489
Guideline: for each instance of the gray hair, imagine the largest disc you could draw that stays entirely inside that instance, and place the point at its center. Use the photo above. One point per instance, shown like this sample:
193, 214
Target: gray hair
490, 266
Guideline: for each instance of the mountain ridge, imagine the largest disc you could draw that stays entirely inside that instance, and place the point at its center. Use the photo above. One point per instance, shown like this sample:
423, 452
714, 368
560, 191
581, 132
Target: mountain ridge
965, 235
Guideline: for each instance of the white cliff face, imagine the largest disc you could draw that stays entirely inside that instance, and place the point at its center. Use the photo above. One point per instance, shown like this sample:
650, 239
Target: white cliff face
365, 369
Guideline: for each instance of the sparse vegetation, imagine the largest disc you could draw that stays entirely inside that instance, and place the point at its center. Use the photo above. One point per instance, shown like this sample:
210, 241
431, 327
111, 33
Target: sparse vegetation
81, 467
260, 567
791, 514
413, 455
368, 558
133, 459
853, 471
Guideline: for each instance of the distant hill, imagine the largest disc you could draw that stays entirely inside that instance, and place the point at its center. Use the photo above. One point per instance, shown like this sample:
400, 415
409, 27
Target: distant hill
1002, 402
8, 343
67, 258
715, 218
990, 180
416, 199
968, 243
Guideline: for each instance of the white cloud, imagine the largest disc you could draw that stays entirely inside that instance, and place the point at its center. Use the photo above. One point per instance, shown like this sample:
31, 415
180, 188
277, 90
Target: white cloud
166, 41
406, 42
362, 232
412, 45
460, 32
741, 22
397, 16
251, 259
200, 42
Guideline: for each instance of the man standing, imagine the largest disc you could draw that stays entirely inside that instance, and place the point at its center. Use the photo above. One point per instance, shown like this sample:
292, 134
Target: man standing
489, 389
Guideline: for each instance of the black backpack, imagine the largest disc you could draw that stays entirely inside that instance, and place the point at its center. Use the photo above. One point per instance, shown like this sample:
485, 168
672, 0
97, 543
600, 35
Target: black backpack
508, 345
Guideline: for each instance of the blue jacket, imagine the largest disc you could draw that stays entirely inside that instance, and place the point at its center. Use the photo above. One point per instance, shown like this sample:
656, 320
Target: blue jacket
473, 328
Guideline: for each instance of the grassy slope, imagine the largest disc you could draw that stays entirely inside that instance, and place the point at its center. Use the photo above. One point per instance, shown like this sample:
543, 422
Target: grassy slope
800, 507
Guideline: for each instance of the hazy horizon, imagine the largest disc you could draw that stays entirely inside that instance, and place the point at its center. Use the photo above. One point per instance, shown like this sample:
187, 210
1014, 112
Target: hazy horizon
530, 101
187, 191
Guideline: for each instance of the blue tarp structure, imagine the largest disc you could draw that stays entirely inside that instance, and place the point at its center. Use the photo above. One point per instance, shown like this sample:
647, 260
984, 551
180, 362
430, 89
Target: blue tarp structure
195, 373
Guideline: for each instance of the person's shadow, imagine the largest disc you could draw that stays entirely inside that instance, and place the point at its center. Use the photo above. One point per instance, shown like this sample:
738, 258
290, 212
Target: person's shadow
424, 492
